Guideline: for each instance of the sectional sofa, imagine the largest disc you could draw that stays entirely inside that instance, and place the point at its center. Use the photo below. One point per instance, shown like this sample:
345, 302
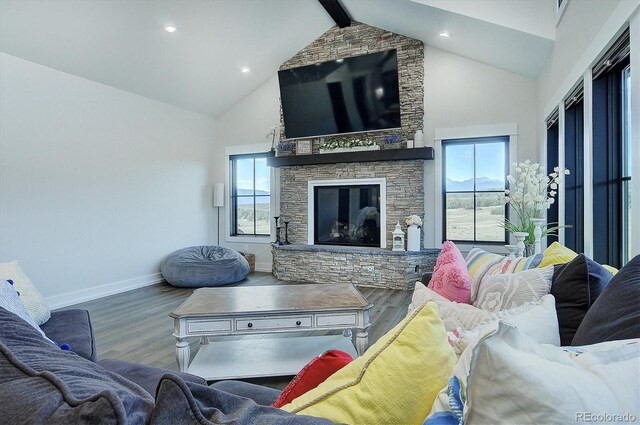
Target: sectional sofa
41, 383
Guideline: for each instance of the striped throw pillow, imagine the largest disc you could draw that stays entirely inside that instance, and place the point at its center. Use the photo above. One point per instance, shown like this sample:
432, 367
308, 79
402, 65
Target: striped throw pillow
481, 263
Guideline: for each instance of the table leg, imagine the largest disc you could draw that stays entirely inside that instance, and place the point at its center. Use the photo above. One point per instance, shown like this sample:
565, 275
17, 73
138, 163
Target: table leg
362, 341
182, 354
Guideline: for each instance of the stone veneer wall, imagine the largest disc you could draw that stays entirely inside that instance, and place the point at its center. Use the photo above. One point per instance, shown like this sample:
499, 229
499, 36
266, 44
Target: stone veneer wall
370, 267
405, 191
359, 39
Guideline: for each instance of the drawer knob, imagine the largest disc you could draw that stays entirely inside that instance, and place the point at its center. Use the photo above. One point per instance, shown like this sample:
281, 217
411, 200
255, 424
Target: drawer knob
298, 323
250, 324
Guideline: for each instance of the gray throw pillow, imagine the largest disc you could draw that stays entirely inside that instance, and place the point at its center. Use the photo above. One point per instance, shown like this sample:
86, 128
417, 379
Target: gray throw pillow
42, 384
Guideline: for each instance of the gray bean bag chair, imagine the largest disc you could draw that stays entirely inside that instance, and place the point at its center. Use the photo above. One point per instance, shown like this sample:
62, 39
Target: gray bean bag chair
204, 266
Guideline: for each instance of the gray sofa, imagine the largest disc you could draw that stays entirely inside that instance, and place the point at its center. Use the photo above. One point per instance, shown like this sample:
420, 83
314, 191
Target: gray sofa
73, 327
43, 384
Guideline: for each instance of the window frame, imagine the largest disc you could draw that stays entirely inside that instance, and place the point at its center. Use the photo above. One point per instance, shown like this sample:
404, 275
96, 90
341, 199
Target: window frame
225, 173
505, 139
609, 181
233, 195
625, 174
433, 228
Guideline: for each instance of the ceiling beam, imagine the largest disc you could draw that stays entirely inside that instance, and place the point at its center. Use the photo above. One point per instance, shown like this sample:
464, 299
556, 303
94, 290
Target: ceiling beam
337, 12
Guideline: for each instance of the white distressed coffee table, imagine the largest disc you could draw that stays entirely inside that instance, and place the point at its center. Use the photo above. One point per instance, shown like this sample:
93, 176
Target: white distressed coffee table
265, 311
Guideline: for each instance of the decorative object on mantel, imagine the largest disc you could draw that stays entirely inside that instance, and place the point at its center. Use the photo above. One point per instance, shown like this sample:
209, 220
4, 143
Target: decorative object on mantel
278, 241
274, 133
418, 139
398, 238
286, 233
285, 148
348, 145
303, 147
394, 140
414, 224
532, 192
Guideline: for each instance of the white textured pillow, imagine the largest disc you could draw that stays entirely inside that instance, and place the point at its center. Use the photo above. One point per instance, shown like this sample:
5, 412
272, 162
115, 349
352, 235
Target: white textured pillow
508, 375
513, 377
536, 319
505, 291
10, 301
29, 295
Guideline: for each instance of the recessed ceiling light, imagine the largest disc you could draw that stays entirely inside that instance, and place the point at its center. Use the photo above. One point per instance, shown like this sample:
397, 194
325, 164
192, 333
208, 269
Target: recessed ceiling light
245, 70
170, 28
444, 34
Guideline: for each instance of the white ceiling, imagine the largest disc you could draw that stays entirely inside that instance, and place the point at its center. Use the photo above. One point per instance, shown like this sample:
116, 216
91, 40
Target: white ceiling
123, 43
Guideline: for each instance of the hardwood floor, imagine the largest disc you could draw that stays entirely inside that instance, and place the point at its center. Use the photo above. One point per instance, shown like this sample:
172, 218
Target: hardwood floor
136, 326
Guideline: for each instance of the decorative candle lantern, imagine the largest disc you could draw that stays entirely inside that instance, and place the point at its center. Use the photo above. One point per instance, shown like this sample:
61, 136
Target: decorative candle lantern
398, 238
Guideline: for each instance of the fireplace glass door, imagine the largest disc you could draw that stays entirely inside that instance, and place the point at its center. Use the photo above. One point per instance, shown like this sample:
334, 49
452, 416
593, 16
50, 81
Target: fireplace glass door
347, 215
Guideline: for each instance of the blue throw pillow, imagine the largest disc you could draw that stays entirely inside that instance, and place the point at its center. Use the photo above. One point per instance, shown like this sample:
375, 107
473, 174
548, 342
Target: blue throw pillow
615, 314
576, 286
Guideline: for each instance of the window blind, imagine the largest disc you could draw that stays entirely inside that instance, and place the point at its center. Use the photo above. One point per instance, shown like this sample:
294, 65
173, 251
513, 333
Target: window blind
617, 53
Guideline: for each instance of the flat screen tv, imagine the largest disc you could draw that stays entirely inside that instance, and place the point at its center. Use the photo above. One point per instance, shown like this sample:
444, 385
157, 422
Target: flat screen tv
347, 95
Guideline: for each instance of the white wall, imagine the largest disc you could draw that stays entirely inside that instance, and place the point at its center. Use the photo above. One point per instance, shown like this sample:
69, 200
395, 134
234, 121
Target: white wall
461, 92
97, 185
247, 123
586, 29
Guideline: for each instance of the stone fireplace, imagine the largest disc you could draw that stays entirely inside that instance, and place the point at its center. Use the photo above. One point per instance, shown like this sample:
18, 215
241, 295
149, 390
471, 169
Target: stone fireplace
350, 242
401, 194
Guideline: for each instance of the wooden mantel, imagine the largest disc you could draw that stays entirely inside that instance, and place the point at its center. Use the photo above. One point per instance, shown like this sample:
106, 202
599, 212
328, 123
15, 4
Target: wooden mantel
360, 156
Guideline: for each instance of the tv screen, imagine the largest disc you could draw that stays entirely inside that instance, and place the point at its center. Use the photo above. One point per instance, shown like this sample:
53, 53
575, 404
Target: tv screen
347, 95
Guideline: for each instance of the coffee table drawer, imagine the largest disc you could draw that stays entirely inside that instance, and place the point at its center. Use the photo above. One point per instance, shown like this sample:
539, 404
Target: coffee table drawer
284, 322
206, 326
348, 319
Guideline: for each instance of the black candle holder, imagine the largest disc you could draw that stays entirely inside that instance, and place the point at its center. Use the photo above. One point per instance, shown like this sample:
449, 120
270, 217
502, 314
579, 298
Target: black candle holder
276, 219
278, 241
286, 233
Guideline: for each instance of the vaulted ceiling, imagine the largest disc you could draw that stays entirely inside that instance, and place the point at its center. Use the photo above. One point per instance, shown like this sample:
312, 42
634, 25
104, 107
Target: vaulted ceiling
198, 67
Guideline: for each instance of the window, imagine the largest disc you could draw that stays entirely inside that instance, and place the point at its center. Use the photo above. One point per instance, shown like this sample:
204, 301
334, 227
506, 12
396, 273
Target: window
626, 165
552, 161
574, 162
250, 195
612, 155
474, 180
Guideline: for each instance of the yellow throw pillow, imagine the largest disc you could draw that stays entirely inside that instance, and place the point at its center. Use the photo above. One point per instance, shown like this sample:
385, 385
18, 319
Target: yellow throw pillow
610, 269
556, 254
394, 382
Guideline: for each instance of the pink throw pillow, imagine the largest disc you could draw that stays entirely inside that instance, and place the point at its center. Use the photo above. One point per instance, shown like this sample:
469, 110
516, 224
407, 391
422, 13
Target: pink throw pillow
450, 275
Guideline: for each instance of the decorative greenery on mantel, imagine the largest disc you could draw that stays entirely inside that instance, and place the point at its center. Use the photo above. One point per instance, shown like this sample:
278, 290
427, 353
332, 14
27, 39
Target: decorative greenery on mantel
345, 143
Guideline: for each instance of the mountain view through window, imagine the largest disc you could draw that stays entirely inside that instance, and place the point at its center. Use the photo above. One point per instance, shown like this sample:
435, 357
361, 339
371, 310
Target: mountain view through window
251, 195
474, 184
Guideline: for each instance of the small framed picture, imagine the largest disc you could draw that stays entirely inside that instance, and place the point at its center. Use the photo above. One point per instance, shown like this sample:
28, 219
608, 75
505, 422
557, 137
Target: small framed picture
303, 147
